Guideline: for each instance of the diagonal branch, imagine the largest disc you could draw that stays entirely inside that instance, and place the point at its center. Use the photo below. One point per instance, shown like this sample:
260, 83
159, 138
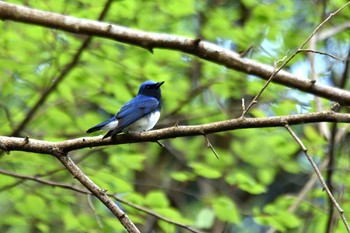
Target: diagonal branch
301, 195
319, 175
148, 40
97, 191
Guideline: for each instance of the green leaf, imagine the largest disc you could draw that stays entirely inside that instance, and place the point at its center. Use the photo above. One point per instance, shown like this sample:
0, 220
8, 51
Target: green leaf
281, 221
156, 199
167, 227
245, 182
289, 220
177, 8
311, 133
70, 221
66, 93
43, 227
205, 218
33, 206
182, 176
225, 209
205, 171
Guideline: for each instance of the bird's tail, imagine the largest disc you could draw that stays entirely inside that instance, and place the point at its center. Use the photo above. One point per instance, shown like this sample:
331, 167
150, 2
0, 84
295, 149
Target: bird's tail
101, 125
95, 128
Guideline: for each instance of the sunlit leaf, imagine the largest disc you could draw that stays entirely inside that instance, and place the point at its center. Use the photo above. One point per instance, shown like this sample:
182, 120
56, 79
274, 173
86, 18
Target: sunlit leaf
245, 182
205, 218
157, 199
225, 209
205, 171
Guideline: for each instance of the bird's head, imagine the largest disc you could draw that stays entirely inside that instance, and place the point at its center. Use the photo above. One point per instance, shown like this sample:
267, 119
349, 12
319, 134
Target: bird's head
151, 88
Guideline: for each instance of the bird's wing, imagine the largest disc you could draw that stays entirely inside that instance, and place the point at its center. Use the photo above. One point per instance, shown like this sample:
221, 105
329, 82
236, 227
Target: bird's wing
134, 110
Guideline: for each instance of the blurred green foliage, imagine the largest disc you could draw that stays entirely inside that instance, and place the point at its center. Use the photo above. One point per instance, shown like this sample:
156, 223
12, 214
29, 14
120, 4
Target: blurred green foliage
260, 171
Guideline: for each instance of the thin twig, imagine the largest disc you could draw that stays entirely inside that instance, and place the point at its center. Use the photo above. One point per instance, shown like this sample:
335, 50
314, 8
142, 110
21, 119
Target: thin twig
330, 173
243, 105
319, 175
303, 192
209, 145
98, 220
290, 58
333, 141
10, 186
322, 53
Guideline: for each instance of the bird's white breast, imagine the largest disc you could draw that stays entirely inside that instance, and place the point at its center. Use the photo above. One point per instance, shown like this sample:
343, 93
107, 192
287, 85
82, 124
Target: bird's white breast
145, 123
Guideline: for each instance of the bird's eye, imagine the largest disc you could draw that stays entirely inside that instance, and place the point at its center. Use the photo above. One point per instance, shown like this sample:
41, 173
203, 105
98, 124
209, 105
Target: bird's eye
148, 86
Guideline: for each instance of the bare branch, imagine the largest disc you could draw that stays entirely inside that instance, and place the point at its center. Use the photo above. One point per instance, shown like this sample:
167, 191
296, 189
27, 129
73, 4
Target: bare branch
287, 60
319, 175
97, 191
45, 147
331, 155
209, 145
303, 192
149, 41
319, 52
91, 205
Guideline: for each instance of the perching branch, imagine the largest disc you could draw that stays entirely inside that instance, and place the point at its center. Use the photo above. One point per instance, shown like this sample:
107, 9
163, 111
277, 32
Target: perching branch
9, 144
60, 149
150, 41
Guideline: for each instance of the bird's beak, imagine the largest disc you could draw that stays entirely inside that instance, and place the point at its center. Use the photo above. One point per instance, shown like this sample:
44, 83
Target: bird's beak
160, 83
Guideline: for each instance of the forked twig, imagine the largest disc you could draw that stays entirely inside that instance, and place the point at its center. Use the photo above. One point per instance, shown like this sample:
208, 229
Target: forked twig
290, 58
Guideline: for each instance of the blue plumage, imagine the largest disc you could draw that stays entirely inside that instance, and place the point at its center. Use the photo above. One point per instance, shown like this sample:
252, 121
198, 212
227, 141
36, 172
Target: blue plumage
139, 114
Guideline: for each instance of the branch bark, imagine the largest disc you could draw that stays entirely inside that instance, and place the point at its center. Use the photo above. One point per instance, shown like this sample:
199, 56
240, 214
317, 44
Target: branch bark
319, 175
44, 147
148, 40
61, 149
97, 191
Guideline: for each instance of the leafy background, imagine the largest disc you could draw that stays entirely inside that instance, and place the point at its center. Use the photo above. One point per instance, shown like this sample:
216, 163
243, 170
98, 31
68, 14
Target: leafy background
260, 172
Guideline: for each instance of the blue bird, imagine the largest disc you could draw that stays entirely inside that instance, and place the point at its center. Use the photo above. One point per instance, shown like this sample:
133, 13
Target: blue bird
139, 114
